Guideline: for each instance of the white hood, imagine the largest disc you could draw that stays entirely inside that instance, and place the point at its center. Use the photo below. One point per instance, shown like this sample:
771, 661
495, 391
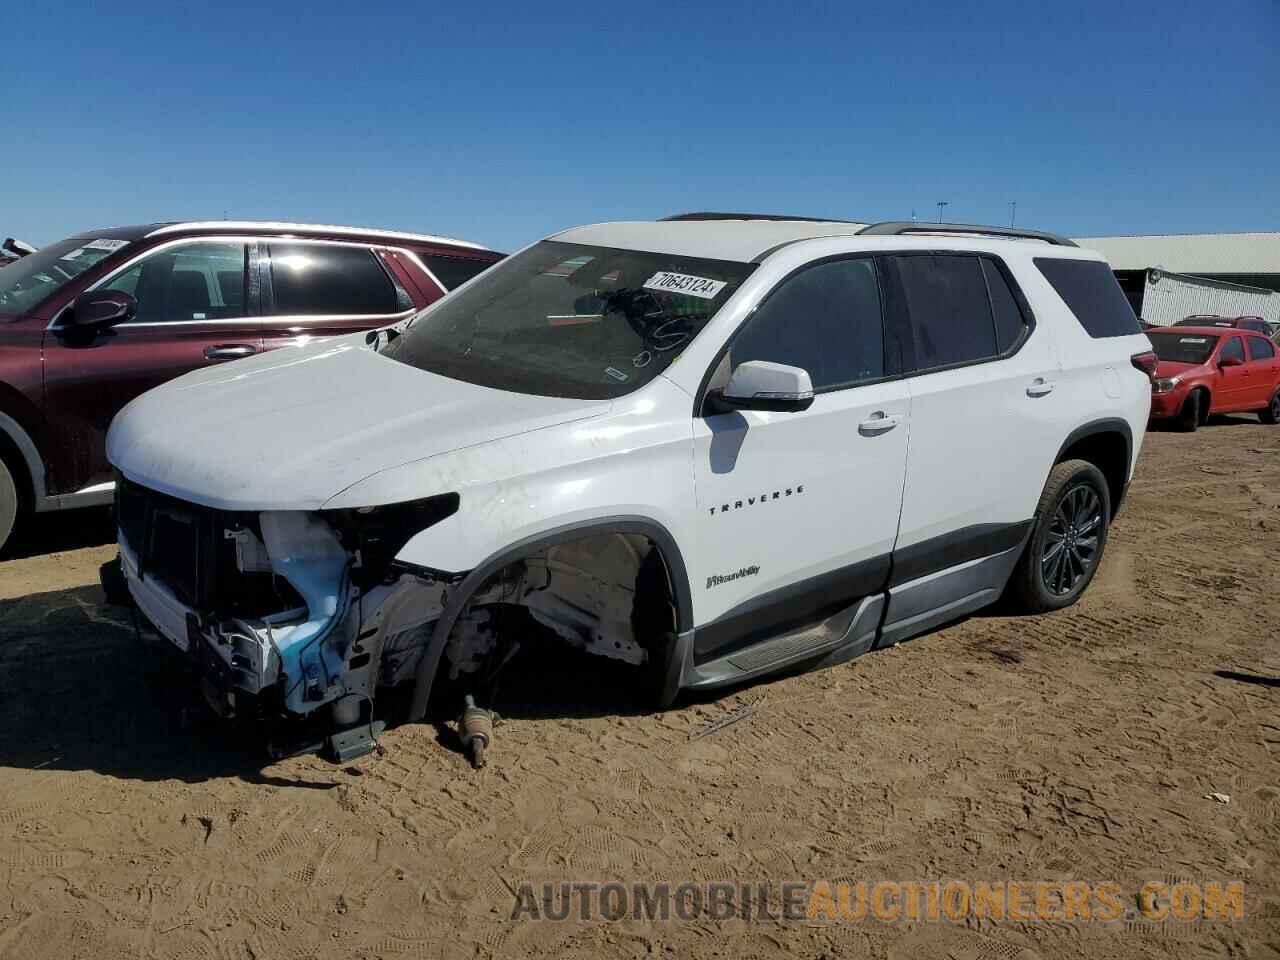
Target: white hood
292, 428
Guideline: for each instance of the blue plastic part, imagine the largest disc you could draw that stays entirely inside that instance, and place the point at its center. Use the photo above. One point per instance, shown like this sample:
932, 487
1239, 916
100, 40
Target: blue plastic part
307, 553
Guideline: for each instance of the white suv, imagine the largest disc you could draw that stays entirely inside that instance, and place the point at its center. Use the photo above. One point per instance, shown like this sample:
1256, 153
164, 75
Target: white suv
713, 446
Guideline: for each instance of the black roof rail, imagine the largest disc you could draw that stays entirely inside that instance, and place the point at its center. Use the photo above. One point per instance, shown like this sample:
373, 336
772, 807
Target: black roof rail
710, 215
898, 228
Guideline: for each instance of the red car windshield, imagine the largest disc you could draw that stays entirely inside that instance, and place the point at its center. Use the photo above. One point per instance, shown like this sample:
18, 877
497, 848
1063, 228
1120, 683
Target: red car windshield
1183, 347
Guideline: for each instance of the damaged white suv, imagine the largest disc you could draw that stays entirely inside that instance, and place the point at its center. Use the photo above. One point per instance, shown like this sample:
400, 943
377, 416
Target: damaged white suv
713, 447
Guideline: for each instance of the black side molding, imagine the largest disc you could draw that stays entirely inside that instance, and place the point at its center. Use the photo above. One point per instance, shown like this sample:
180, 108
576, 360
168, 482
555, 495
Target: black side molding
959, 546
788, 608
1108, 425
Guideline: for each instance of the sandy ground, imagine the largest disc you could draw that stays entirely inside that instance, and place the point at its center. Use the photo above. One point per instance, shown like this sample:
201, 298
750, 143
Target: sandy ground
1079, 745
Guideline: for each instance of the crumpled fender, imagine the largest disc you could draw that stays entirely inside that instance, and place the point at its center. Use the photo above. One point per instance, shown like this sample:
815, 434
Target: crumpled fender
306, 552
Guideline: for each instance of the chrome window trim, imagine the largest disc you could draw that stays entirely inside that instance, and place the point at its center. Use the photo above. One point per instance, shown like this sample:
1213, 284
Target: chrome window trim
251, 225
298, 320
132, 261
241, 321
425, 269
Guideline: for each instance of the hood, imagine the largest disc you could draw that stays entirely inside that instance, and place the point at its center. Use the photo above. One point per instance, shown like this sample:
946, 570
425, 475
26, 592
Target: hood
1173, 368
290, 429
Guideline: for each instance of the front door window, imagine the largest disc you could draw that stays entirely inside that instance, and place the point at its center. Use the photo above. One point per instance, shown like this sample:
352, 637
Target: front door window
189, 283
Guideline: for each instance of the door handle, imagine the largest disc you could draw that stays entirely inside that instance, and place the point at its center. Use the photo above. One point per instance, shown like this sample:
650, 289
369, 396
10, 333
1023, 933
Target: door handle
878, 423
229, 351
1040, 387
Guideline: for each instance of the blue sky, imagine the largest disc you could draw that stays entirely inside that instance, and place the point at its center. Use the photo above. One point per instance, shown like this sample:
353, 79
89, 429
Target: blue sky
503, 122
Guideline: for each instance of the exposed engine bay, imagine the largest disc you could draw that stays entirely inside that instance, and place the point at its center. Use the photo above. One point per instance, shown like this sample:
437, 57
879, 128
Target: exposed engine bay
289, 612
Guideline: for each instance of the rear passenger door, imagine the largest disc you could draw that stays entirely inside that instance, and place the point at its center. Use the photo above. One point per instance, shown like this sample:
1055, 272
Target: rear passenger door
1263, 368
316, 289
985, 418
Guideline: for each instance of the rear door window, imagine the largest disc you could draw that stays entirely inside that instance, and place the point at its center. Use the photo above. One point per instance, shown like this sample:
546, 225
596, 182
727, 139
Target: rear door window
1090, 290
949, 310
1010, 322
310, 279
1260, 349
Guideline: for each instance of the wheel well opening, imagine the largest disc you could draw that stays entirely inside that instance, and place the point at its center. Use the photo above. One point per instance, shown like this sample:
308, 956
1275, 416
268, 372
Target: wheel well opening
1206, 400
582, 626
1109, 452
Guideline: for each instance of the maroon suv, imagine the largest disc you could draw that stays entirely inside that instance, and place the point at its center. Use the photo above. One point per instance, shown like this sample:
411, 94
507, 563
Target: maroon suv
89, 323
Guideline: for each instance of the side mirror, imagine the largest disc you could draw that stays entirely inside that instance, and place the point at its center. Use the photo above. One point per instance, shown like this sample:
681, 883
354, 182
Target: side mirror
102, 308
1230, 362
16, 247
761, 385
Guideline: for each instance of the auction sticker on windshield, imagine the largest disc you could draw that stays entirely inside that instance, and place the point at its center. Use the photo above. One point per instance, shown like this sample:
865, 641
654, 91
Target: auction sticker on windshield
690, 286
109, 246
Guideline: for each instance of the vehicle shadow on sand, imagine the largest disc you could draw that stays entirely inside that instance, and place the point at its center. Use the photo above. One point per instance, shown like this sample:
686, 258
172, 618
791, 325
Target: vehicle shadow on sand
81, 688
54, 532
79, 692
1214, 420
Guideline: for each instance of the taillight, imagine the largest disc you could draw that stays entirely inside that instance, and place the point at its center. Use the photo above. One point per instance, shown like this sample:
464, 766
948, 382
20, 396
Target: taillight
1146, 362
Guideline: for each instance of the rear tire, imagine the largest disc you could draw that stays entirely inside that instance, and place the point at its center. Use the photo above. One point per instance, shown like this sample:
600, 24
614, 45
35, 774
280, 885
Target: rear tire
10, 504
1271, 415
1189, 418
1067, 540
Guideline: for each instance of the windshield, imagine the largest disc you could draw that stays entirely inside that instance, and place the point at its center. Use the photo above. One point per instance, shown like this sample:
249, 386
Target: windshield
568, 320
26, 282
1182, 347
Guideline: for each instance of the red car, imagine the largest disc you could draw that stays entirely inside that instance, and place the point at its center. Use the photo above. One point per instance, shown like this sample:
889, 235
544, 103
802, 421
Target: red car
90, 322
1204, 370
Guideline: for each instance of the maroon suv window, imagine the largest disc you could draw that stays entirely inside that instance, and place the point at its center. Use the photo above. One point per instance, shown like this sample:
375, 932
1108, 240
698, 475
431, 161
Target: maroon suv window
309, 279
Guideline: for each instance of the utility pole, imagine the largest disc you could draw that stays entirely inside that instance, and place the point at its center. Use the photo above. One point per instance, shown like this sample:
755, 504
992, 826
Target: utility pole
1013, 211
941, 204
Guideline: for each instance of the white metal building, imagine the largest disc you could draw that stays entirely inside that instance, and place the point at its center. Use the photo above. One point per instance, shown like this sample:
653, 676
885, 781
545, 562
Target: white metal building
1238, 267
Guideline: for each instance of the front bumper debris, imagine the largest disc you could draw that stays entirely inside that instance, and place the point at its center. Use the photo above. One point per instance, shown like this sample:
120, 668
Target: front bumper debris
273, 611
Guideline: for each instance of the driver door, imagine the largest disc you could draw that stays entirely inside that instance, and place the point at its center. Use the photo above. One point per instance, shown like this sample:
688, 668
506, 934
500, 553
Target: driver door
798, 512
193, 310
1232, 389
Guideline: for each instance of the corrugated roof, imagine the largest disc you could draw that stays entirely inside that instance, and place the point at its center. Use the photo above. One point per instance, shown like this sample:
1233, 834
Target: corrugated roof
1194, 253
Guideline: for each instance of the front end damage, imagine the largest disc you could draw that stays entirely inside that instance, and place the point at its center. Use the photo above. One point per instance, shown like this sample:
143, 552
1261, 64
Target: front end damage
305, 615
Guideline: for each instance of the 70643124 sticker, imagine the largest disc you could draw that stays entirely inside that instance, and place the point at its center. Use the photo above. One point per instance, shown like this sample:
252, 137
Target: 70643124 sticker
667, 282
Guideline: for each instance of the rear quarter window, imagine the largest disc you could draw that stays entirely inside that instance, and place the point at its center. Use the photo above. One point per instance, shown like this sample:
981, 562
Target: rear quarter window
1090, 290
455, 271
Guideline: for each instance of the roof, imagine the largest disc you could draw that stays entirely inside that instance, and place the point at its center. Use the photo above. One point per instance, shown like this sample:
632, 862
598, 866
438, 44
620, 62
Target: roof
136, 232
1206, 331
754, 237
1195, 253
737, 240
317, 229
